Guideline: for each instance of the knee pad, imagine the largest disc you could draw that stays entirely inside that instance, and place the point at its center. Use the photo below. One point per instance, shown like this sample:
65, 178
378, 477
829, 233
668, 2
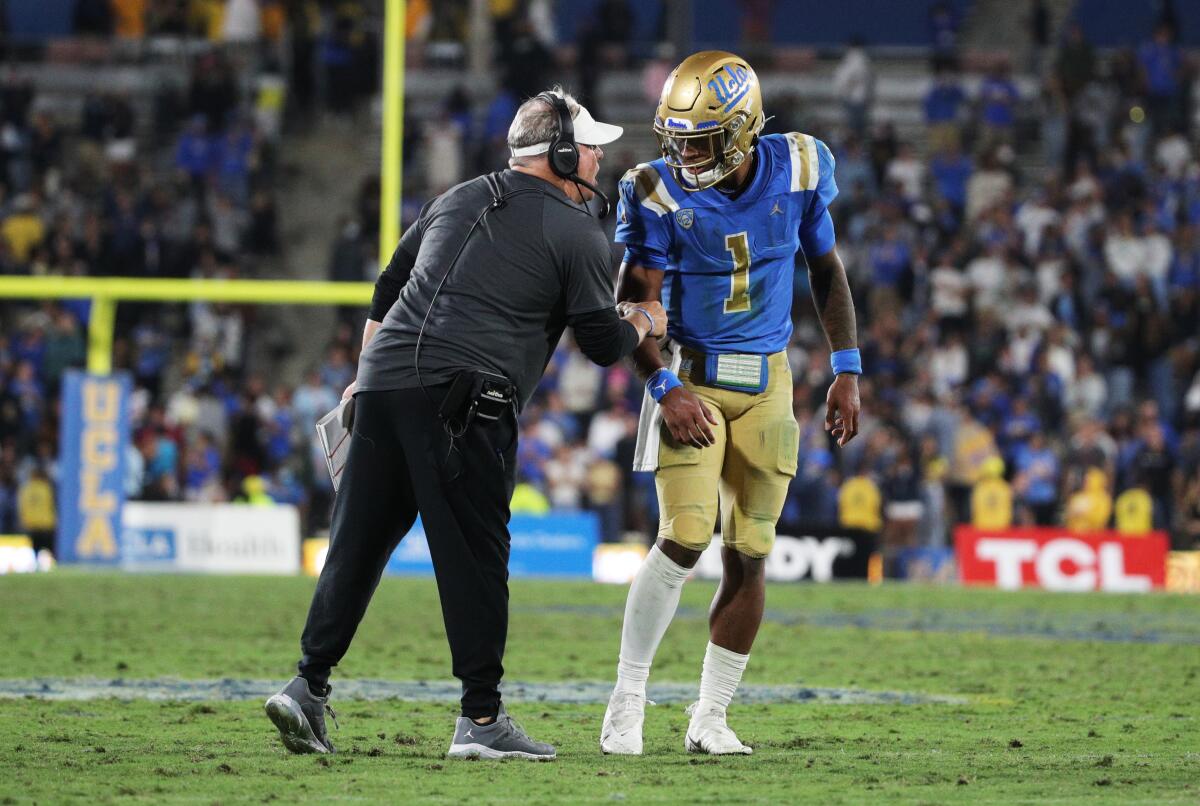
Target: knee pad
687, 494
687, 504
750, 535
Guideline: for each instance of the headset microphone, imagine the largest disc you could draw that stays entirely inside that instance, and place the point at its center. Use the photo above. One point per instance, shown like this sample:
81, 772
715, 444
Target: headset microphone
604, 204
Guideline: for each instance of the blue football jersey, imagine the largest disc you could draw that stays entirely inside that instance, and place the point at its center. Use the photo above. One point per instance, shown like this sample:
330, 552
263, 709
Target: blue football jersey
730, 263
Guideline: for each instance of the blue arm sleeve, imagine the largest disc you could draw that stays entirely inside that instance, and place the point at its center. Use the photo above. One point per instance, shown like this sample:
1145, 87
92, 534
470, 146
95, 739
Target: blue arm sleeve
645, 234
816, 230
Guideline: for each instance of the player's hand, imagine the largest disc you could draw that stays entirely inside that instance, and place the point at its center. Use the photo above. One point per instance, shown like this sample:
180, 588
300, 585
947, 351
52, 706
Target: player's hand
350, 390
687, 418
842, 407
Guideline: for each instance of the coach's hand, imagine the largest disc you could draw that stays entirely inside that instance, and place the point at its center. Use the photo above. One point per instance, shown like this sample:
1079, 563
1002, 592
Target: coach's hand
350, 390
655, 325
687, 418
659, 316
842, 407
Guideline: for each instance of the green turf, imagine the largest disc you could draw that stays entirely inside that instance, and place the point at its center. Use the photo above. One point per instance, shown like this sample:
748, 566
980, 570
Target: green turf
1046, 720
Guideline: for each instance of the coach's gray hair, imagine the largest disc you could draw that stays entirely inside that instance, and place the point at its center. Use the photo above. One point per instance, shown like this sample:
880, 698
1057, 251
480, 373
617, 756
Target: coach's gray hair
537, 122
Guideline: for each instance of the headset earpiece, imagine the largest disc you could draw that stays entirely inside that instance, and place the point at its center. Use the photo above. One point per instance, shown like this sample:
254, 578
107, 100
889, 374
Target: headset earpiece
563, 155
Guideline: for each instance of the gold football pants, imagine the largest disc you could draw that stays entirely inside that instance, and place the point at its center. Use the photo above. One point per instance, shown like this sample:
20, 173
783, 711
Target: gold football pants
746, 470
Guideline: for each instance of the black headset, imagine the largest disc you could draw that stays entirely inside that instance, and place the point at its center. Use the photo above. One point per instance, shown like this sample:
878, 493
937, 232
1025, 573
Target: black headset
563, 154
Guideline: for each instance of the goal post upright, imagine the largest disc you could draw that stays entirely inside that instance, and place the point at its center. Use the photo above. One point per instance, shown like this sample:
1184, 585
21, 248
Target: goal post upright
391, 149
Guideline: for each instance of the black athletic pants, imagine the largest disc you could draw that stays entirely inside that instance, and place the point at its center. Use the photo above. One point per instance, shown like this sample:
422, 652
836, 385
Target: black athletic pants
401, 463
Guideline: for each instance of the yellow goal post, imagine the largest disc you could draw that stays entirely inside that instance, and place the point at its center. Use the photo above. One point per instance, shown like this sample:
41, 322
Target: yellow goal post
106, 292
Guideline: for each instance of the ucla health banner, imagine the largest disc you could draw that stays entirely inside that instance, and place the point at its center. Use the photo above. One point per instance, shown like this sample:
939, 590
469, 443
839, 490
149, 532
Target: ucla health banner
557, 544
215, 538
95, 431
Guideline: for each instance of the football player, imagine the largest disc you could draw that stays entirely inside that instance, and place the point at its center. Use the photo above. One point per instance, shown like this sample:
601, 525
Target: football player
713, 229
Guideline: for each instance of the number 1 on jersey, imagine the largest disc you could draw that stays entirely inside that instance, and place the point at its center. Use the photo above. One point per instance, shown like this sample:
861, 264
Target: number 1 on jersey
739, 282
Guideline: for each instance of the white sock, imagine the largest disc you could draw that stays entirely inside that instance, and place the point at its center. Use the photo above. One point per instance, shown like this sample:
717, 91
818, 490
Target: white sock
720, 676
653, 597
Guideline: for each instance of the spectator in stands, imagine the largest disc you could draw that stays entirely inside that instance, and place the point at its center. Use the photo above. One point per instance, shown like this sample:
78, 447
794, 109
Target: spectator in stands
603, 41
992, 498
242, 23
901, 489
1134, 511
23, 229
1163, 71
129, 18
998, 98
891, 264
1154, 465
524, 58
854, 84
951, 172
1089, 508
36, 509
1075, 66
987, 186
943, 34
943, 110
860, 504
1036, 482
907, 172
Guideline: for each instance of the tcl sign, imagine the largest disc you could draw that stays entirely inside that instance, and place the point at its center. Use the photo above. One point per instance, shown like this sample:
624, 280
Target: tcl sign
1058, 560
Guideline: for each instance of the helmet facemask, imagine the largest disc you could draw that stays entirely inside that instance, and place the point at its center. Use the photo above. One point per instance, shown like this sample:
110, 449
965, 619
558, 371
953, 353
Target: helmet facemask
717, 151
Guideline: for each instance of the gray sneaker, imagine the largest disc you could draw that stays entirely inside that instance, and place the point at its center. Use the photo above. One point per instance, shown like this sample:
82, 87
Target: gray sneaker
300, 716
503, 738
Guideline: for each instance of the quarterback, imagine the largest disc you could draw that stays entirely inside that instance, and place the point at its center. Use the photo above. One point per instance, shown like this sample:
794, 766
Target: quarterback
712, 229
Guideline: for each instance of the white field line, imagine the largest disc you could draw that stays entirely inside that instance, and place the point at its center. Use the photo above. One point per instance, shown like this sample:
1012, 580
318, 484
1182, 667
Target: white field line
91, 688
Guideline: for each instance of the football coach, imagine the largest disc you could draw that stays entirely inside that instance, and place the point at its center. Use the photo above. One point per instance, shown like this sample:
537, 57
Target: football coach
462, 324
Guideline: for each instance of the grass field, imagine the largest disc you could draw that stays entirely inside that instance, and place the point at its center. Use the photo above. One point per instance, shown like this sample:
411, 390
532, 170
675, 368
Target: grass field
1017, 698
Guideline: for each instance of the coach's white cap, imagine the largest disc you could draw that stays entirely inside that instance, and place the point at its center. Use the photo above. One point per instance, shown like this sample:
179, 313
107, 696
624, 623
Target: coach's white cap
588, 132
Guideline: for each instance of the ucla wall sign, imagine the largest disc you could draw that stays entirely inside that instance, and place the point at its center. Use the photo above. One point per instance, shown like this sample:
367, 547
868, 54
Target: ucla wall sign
95, 432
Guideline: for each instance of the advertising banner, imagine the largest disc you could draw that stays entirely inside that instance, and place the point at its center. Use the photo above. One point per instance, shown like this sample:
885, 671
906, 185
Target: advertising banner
558, 544
926, 564
95, 431
216, 538
16, 555
820, 555
1183, 572
617, 563
1059, 560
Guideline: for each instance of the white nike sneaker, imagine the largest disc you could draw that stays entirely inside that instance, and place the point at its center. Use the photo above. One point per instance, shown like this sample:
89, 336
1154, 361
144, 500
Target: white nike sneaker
622, 731
708, 733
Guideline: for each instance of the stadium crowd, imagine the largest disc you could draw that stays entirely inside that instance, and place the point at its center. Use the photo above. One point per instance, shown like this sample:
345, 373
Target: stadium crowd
1031, 339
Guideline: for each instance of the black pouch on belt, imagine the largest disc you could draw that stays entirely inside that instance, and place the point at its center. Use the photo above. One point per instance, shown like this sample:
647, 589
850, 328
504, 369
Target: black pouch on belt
476, 393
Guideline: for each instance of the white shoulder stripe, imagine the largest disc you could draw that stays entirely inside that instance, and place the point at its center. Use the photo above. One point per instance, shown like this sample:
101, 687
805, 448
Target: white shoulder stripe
794, 153
650, 189
814, 164
802, 149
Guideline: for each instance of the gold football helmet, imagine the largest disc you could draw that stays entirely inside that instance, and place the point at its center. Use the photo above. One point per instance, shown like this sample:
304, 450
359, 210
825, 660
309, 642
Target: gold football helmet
708, 118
